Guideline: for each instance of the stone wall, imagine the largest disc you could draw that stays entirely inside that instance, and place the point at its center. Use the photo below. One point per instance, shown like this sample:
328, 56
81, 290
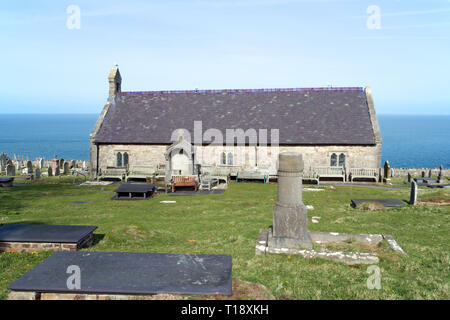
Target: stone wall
417, 172
244, 156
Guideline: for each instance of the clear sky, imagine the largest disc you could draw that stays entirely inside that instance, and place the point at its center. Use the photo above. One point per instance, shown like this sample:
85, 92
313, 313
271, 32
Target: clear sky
49, 65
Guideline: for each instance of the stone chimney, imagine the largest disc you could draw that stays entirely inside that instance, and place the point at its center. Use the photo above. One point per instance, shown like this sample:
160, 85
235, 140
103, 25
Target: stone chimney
115, 81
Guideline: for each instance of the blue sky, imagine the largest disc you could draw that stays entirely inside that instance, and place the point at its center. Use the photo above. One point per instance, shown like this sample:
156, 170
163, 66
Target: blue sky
187, 44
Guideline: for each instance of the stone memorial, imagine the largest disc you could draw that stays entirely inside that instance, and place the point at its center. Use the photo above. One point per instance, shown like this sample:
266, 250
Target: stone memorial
423, 174
413, 196
55, 166
61, 163
290, 217
50, 171
387, 170
41, 163
37, 173
10, 170
66, 168
430, 173
409, 177
29, 167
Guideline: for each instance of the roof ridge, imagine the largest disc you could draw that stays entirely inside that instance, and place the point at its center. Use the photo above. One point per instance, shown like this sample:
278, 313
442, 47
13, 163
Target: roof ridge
242, 90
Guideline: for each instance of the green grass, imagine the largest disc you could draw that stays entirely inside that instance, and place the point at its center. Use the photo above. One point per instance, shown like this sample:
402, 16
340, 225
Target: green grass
229, 224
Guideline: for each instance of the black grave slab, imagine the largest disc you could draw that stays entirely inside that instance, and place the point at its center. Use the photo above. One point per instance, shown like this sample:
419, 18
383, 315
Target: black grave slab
131, 273
44, 233
6, 182
384, 202
134, 191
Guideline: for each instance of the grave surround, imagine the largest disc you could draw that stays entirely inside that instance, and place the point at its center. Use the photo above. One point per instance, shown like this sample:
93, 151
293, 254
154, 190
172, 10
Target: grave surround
266, 244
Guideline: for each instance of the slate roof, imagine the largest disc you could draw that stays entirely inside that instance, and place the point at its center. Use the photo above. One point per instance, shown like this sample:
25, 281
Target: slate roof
307, 116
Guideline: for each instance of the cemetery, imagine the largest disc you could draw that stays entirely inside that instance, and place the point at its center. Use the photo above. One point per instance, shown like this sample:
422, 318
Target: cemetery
259, 232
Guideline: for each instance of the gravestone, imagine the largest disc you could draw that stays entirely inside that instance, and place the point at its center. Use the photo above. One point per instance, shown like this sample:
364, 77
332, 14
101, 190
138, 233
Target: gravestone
41, 163
423, 174
61, 163
430, 174
84, 165
409, 177
290, 218
50, 171
55, 166
413, 196
37, 173
439, 179
66, 168
10, 170
387, 170
29, 167
73, 164
18, 165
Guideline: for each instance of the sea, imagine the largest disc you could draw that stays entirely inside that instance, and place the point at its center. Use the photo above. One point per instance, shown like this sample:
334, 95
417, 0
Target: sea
409, 141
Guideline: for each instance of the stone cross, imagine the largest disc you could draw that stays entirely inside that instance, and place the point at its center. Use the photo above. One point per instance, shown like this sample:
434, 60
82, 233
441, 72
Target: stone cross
290, 217
413, 196
387, 170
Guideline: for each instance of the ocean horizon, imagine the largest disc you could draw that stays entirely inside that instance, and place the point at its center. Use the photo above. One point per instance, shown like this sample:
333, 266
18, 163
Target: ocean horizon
409, 141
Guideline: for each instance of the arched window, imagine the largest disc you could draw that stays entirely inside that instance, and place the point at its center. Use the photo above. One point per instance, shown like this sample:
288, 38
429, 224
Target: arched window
333, 161
223, 158
230, 159
342, 160
119, 160
125, 159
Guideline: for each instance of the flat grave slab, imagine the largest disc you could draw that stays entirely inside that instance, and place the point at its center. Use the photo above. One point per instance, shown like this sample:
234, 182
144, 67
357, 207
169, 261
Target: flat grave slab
6, 182
37, 237
384, 202
193, 193
131, 274
134, 191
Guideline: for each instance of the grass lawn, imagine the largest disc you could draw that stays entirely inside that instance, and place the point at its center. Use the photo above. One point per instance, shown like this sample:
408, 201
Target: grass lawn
229, 224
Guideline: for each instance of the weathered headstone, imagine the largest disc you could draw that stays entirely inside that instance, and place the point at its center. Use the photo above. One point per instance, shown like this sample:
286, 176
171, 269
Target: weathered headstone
50, 171
84, 165
41, 163
409, 177
423, 174
387, 170
18, 165
66, 168
10, 170
73, 164
430, 173
37, 173
413, 195
290, 217
55, 166
29, 167
439, 178
61, 163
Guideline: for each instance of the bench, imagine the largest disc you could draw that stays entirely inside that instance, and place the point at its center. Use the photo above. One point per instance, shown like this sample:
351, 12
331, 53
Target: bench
207, 182
140, 172
364, 173
112, 173
184, 181
330, 172
311, 175
253, 174
218, 173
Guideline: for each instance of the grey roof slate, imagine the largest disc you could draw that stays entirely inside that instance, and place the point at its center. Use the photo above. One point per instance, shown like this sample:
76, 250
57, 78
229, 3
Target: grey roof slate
308, 116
